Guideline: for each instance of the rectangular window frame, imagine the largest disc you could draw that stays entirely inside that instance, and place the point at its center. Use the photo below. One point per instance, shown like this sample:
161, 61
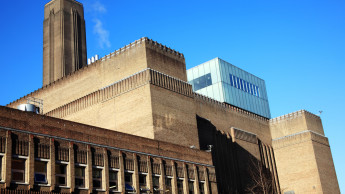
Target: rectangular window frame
101, 168
58, 162
117, 179
2, 156
46, 161
18, 157
77, 165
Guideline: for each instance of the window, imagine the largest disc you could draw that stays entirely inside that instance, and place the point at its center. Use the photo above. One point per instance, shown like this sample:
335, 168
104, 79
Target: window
202, 82
168, 185
201, 187
80, 176
97, 178
180, 186
143, 184
113, 180
0, 167
155, 182
18, 170
129, 182
231, 80
61, 174
40, 169
191, 187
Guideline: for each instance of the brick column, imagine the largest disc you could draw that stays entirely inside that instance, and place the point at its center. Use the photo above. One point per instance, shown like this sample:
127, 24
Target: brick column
31, 163
185, 180
8, 159
121, 180
136, 174
105, 173
70, 169
162, 177
207, 183
196, 179
174, 179
149, 174
51, 165
88, 170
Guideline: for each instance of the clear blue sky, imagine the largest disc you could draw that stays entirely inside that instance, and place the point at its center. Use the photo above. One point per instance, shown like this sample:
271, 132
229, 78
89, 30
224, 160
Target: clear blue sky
297, 47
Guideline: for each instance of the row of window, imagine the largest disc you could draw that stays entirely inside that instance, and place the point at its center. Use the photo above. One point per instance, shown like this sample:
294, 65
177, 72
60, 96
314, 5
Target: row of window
19, 163
244, 85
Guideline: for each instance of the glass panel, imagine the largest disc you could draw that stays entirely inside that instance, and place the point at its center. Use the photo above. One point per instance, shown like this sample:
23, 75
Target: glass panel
113, 180
18, 170
79, 176
61, 180
180, 186
231, 80
201, 188
202, 82
18, 164
97, 178
0, 167
142, 180
128, 178
60, 173
191, 187
168, 185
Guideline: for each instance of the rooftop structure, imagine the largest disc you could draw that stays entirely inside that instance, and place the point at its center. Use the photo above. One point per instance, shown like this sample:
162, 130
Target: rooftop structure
227, 83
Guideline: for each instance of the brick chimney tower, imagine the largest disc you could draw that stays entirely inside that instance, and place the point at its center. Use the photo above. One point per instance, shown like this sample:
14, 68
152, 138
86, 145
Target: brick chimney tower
64, 39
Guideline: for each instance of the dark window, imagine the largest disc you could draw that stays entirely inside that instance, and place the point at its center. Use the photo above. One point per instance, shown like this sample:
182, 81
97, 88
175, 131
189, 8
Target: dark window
129, 182
18, 170
40, 172
142, 182
168, 185
113, 180
202, 82
238, 83
180, 186
0, 166
245, 86
97, 178
155, 182
61, 174
80, 176
201, 187
231, 80
191, 187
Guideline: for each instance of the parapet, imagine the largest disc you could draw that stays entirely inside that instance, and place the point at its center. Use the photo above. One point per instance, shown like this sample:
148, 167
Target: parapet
295, 122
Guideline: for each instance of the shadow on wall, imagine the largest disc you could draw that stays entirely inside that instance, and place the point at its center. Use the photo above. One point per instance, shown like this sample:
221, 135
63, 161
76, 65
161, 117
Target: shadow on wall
237, 170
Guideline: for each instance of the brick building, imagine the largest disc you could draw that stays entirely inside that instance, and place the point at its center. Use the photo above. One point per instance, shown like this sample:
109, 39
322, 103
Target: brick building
131, 123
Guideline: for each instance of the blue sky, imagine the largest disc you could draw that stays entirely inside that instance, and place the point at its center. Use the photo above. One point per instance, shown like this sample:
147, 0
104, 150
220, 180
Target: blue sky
297, 47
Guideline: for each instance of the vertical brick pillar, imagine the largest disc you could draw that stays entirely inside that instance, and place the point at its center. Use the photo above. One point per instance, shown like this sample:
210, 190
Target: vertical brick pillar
121, 181
8, 159
174, 180
30, 166
105, 172
70, 168
51, 165
207, 182
149, 174
88, 170
196, 179
162, 177
136, 174
185, 180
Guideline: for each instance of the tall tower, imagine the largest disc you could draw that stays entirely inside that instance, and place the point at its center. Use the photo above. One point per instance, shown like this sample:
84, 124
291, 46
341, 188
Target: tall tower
64, 39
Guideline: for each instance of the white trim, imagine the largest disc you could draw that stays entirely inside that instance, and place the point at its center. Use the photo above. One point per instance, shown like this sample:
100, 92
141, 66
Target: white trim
42, 159
61, 162
19, 156
80, 165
